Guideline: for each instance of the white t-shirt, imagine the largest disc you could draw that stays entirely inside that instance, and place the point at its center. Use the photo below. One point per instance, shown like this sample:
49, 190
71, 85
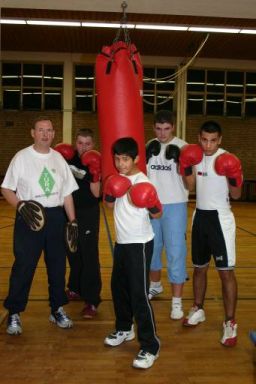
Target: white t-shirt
212, 192
45, 178
132, 224
164, 175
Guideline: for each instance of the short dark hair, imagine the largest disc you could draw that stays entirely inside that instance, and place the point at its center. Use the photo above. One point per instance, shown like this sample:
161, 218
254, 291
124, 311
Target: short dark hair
211, 126
84, 132
126, 146
164, 116
41, 118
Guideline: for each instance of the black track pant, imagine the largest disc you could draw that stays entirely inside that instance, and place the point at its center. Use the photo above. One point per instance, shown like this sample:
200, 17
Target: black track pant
28, 246
130, 285
85, 277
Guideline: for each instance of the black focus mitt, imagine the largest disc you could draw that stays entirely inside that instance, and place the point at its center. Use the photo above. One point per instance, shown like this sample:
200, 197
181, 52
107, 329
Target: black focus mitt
33, 214
153, 148
71, 236
172, 152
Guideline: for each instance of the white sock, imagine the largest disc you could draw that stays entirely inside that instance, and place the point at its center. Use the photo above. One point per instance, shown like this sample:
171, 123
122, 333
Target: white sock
155, 284
176, 301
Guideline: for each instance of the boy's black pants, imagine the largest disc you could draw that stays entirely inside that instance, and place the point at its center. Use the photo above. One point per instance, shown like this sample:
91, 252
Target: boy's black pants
130, 285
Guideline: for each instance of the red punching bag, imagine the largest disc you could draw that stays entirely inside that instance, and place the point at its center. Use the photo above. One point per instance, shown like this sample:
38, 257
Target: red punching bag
119, 84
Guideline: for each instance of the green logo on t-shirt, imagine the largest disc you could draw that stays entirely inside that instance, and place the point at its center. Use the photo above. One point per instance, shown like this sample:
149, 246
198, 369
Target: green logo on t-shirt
46, 181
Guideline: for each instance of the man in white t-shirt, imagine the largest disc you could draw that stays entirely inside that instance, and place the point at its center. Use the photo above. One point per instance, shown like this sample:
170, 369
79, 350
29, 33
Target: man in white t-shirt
38, 184
216, 175
170, 229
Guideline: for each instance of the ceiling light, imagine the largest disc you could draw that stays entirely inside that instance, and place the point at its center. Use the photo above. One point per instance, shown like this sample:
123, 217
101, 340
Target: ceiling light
55, 23
161, 27
106, 25
213, 29
249, 31
11, 21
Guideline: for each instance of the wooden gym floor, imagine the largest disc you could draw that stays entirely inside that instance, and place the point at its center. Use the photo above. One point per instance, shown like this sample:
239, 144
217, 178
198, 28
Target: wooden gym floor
47, 354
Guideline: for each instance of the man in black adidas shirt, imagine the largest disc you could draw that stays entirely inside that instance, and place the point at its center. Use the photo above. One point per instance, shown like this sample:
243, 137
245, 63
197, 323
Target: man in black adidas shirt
85, 279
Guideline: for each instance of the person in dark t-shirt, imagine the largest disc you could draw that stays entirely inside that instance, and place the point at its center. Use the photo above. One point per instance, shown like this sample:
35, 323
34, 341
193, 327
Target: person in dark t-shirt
85, 278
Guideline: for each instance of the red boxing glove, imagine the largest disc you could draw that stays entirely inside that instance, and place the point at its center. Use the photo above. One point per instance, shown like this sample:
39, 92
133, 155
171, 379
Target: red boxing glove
144, 195
190, 154
66, 150
115, 186
92, 159
230, 166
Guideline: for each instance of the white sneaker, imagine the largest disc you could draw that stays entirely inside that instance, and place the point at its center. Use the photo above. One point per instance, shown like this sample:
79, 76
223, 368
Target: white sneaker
61, 319
177, 312
14, 326
154, 291
194, 317
229, 338
118, 337
144, 360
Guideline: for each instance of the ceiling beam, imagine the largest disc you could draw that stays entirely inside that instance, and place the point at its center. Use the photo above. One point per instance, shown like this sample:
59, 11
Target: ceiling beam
219, 8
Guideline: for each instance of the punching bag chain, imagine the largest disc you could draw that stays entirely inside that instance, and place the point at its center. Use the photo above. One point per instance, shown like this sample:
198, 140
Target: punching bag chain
123, 27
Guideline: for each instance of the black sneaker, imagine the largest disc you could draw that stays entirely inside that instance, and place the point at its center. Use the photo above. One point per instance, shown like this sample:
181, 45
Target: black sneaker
14, 324
61, 318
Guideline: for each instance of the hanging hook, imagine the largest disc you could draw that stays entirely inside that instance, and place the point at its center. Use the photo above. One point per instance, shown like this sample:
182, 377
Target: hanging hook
123, 26
124, 6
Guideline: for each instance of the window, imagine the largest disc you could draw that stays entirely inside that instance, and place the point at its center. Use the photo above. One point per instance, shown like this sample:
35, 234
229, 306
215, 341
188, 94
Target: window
221, 93
195, 92
158, 89
235, 82
11, 98
215, 82
214, 104
149, 89
52, 100
195, 104
52, 86
196, 81
233, 105
11, 74
32, 99
11, 83
32, 86
215, 88
250, 98
85, 98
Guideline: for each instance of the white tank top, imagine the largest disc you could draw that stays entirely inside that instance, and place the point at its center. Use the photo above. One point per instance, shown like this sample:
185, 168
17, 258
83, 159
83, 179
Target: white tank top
164, 175
212, 192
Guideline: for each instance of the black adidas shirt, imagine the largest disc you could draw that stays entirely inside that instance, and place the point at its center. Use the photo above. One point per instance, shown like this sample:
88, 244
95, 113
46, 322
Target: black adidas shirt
83, 197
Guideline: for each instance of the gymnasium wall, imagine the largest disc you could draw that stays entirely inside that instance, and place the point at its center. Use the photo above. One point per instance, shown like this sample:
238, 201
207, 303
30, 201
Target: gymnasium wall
239, 136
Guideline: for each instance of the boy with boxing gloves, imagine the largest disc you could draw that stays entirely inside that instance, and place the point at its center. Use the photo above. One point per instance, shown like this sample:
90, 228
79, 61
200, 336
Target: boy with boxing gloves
85, 278
170, 231
133, 198
216, 174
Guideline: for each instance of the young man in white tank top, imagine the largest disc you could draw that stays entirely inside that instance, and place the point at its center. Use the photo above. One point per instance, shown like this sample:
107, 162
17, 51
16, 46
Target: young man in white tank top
216, 175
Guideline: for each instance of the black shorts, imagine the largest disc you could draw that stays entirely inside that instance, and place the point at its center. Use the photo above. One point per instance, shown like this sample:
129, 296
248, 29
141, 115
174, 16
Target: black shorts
213, 234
